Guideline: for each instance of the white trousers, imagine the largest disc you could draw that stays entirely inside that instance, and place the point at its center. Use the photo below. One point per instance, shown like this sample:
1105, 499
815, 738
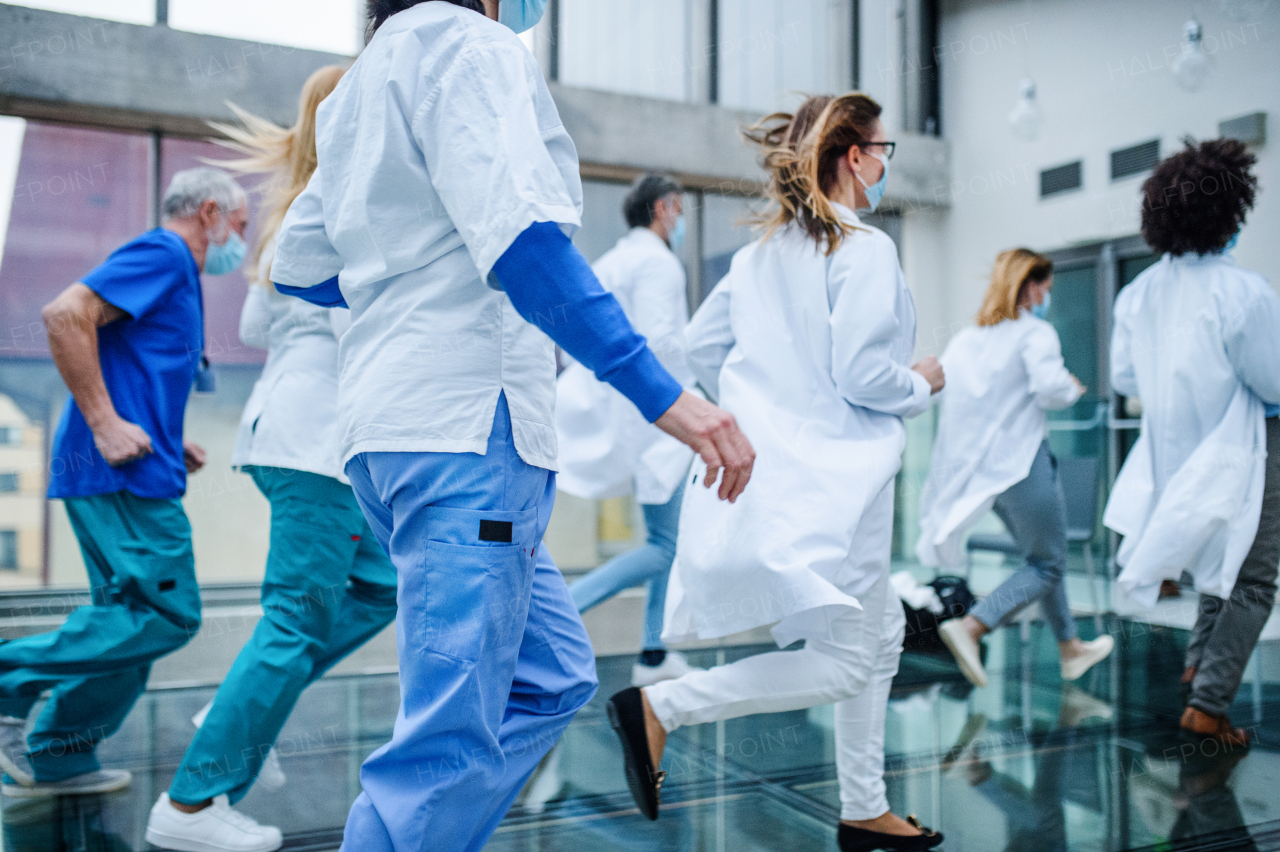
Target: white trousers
851, 665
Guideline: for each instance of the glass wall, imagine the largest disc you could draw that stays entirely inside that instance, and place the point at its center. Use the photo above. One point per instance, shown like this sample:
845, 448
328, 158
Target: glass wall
126, 11
333, 26
68, 197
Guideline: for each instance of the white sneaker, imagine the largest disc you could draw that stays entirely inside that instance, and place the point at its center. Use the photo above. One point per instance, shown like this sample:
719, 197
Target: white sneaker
675, 665
13, 750
100, 781
1094, 652
217, 828
964, 649
271, 775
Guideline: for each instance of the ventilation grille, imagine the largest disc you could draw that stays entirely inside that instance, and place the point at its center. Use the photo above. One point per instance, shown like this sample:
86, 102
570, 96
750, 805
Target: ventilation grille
1135, 160
1061, 179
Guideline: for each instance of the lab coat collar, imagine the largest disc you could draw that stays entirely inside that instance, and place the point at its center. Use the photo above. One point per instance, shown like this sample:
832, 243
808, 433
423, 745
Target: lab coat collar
640, 233
1202, 259
847, 214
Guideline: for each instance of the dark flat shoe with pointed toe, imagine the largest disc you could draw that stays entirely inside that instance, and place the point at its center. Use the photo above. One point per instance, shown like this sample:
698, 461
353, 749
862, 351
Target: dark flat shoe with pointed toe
626, 715
852, 839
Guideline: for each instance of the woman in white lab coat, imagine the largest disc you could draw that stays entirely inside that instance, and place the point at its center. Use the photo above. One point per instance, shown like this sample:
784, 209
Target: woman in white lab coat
1197, 340
328, 587
807, 341
992, 451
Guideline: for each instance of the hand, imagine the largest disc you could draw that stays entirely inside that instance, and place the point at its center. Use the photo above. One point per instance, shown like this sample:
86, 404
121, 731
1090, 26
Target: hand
192, 456
1079, 385
121, 442
714, 435
931, 369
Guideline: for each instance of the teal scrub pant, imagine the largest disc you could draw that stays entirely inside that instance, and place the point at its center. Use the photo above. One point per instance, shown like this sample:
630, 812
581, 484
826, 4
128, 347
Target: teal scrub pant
145, 603
328, 589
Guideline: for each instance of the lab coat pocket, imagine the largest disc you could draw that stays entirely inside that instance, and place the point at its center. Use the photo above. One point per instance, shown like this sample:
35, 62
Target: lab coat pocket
466, 601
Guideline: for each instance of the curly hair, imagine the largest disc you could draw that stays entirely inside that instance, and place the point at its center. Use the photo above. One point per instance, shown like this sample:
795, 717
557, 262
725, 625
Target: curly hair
1196, 200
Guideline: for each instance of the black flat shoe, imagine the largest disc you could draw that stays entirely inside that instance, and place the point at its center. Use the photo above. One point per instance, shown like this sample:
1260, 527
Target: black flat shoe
626, 714
853, 839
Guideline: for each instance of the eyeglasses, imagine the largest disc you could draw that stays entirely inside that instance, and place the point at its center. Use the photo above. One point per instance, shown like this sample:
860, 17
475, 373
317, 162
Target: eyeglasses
889, 147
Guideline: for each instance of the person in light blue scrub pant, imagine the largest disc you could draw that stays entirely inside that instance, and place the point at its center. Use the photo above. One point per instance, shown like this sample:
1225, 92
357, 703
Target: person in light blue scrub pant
441, 207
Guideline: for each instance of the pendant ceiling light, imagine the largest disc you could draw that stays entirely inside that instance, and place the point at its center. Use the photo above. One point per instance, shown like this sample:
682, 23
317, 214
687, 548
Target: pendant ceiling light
1191, 67
1024, 119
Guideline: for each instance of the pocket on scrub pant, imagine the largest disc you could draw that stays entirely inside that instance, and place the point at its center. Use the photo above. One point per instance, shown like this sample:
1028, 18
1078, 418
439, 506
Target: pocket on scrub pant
466, 600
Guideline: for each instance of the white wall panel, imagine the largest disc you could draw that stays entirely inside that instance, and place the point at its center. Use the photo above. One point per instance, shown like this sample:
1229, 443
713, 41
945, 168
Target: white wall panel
640, 47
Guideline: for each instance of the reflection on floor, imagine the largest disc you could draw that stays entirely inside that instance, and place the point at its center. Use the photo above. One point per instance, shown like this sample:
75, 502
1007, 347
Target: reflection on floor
1026, 765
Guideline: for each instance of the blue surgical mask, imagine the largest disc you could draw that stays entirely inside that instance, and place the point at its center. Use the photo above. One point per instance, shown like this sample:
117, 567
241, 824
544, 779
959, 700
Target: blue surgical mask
225, 258
676, 238
1231, 243
1042, 310
521, 15
875, 191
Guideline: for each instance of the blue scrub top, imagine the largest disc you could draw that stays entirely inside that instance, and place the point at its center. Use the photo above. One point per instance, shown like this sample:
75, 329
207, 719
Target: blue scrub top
149, 361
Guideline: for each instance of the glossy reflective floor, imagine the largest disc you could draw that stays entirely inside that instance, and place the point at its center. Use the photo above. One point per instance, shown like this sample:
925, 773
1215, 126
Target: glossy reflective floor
1026, 765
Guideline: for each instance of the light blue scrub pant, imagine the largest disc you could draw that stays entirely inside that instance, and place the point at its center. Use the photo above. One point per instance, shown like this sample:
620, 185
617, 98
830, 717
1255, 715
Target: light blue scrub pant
1035, 513
145, 603
327, 590
494, 660
650, 564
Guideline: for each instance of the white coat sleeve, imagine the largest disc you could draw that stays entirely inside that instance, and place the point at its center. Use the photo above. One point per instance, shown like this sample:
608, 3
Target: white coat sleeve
662, 311
1252, 337
304, 255
1124, 380
256, 317
864, 327
1050, 381
709, 338
486, 152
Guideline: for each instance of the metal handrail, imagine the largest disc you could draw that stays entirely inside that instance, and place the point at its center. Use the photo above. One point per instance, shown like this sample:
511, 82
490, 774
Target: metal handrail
1099, 418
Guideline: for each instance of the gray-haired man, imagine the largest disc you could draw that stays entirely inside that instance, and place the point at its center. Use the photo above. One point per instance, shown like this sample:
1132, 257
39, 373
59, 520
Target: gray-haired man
127, 339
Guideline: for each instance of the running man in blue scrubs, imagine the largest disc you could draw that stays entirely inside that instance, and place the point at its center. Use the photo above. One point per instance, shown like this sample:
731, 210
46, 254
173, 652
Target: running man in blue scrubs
127, 339
439, 213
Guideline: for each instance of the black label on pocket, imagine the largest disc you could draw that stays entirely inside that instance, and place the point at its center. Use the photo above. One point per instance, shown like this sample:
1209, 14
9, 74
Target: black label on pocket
499, 531
168, 585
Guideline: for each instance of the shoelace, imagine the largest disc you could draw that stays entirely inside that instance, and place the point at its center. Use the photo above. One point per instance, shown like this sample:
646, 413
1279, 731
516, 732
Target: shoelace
236, 819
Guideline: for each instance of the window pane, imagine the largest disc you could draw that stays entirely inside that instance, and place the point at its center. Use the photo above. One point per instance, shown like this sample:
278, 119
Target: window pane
724, 232
128, 11
772, 52
333, 26
651, 59
68, 197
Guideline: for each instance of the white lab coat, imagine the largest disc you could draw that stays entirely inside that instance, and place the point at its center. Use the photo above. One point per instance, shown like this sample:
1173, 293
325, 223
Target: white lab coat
291, 418
436, 151
607, 448
1197, 339
810, 353
1000, 381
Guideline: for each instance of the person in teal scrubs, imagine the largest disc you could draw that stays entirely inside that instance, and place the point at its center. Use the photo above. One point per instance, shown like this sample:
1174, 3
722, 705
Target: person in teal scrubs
127, 339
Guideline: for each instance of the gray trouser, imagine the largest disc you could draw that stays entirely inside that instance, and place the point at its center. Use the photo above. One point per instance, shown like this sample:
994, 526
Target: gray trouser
1227, 630
1035, 513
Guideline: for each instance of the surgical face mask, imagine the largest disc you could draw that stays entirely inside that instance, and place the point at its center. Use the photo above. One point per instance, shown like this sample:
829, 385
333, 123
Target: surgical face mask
677, 235
1042, 310
1231, 243
227, 257
521, 15
875, 191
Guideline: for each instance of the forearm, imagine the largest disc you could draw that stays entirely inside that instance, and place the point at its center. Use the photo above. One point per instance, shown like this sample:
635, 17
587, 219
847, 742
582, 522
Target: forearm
73, 342
551, 285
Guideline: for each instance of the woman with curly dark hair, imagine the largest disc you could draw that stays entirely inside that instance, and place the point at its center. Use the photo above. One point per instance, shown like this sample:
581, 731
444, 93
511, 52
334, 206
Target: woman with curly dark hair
1197, 339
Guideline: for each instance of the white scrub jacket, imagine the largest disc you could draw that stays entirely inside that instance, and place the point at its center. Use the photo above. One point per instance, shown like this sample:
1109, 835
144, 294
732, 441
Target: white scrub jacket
437, 149
810, 353
291, 418
1197, 339
607, 448
1000, 381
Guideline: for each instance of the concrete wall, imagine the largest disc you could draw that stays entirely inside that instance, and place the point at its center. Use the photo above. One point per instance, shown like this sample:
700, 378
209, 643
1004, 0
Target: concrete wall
1102, 71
